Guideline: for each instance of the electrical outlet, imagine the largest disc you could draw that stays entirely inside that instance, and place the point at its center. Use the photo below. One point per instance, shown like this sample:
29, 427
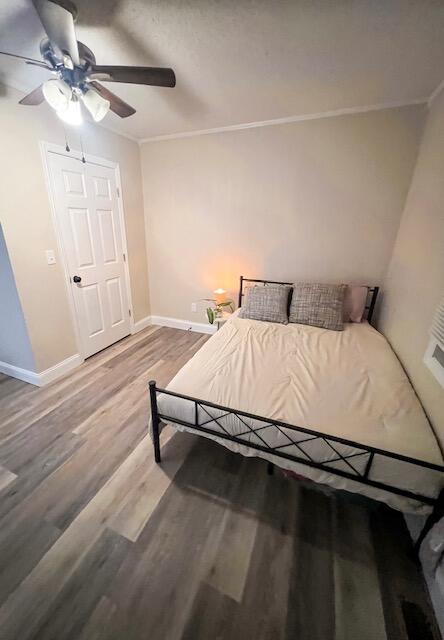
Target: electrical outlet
50, 256
194, 307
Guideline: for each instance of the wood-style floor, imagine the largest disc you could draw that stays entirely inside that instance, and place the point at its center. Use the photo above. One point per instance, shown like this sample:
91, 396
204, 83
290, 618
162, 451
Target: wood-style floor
99, 542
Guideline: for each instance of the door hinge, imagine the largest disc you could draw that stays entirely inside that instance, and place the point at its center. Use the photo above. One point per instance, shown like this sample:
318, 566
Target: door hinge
129, 312
118, 192
124, 257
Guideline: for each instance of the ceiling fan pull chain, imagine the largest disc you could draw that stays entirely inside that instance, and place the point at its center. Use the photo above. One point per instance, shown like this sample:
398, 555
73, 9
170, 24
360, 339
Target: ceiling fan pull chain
66, 140
81, 148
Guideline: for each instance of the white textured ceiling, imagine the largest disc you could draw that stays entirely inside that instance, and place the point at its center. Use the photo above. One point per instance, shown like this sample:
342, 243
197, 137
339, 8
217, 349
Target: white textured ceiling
239, 61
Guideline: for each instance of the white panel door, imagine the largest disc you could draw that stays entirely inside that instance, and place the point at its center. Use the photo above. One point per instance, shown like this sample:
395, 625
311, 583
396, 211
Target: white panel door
85, 198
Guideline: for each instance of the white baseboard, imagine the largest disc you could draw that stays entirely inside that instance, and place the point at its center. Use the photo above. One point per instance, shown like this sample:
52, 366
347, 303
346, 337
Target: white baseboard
43, 377
142, 324
21, 374
186, 325
59, 369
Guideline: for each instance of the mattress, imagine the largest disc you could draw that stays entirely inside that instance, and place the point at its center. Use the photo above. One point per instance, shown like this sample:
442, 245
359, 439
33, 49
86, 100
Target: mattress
347, 384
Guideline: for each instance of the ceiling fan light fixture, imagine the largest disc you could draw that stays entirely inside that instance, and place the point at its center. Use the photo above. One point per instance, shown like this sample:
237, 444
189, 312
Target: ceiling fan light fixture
57, 94
72, 113
74, 65
96, 105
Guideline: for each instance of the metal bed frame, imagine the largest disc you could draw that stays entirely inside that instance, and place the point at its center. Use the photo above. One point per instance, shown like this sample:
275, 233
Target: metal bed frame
203, 418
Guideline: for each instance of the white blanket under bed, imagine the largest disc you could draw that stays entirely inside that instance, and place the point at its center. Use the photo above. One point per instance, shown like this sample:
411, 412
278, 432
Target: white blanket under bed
344, 383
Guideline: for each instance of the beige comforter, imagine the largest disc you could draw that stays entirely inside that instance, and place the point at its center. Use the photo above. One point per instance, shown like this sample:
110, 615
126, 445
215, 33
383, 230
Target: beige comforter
348, 384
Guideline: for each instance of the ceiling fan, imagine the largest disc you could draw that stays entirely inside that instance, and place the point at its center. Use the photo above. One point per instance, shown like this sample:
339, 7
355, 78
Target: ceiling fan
76, 73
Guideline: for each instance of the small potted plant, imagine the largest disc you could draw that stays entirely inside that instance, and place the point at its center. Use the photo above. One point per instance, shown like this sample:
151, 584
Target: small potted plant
219, 304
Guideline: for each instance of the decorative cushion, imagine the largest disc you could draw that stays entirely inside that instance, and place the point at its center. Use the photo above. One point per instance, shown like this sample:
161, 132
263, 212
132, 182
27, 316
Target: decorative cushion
319, 305
268, 303
355, 298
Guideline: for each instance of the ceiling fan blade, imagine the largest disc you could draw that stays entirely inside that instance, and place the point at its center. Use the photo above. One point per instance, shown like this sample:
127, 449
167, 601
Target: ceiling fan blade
34, 98
116, 104
59, 26
15, 55
154, 76
38, 64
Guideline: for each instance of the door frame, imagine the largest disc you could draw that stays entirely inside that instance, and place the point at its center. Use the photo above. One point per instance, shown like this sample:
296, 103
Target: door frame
45, 149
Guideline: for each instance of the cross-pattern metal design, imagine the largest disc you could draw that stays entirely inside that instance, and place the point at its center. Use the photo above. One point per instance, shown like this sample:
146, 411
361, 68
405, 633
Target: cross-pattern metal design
251, 431
255, 431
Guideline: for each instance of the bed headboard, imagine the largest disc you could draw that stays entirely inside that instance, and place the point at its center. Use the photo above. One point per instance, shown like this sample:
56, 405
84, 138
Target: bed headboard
369, 305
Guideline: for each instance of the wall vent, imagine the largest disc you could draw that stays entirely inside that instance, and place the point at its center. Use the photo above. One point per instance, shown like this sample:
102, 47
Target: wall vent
434, 356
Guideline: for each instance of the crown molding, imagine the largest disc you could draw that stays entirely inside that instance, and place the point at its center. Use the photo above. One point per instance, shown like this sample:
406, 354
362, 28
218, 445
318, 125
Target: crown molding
277, 121
261, 123
435, 94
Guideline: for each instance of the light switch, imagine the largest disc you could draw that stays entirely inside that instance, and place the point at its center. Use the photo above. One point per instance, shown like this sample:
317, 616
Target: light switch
50, 256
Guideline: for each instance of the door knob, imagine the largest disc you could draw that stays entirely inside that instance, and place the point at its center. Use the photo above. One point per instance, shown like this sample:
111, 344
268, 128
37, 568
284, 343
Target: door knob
77, 279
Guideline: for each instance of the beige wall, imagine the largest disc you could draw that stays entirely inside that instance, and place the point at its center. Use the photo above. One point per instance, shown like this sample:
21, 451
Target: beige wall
319, 199
415, 279
28, 228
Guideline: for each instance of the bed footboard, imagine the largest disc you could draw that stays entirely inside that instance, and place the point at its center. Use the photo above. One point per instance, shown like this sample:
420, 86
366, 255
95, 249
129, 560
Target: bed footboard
362, 476
208, 418
203, 407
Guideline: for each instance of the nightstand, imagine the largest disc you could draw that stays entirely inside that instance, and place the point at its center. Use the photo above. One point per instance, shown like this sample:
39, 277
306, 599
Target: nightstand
219, 322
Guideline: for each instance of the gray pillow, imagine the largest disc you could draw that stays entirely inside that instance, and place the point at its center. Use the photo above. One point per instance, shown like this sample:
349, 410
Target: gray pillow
319, 305
268, 303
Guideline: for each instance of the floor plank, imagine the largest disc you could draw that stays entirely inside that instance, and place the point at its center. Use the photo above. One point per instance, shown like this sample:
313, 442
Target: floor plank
73, 606
6, 477
99, 542
151, 483
312, 558
358, 601
229, 572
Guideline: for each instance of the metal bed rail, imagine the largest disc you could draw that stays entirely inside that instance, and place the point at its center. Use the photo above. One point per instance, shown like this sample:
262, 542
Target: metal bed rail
332, 442
200, 407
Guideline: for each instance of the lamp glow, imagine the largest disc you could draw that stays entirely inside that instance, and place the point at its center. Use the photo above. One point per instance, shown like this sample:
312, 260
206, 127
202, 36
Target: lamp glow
72, 114
96, 105
219, 295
